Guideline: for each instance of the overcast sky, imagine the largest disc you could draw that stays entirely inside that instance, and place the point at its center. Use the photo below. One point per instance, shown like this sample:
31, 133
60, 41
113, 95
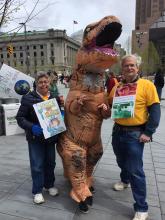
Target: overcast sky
61, 13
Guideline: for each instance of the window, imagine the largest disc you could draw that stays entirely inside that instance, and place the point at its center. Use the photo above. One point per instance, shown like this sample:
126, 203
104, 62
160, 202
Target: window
41, 47
34, 47
52, 53
163, 51
14, 54
20, 47
52, 61
52, 45
1, 55
21, 55
163, 60
27, 47
8, 55
21, 62
42, 53
35, 54
42, 62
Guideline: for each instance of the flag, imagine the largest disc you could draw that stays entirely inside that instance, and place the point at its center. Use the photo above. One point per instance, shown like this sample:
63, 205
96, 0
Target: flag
75, 22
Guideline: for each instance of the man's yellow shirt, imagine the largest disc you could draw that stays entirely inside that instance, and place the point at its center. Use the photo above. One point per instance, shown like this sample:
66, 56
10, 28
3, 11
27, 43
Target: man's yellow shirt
146, 95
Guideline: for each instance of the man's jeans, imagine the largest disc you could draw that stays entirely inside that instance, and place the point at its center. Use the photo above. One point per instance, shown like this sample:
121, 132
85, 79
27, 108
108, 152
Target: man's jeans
42, 163
129, 154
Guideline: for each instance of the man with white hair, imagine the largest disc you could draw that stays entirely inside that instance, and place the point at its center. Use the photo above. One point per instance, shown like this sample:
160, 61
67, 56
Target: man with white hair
136, 112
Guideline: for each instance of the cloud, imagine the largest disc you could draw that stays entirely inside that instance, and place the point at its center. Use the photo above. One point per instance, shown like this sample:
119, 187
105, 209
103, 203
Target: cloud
62, 13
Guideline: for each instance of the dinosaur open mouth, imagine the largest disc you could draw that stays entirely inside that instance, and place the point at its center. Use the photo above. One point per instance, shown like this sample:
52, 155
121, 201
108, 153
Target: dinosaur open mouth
106, 38
109, 34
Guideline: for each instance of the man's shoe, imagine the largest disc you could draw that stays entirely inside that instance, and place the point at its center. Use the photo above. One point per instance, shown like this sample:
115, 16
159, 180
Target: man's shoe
120, 186
83, 207
140, 216
38, 198
89, 200
53, 191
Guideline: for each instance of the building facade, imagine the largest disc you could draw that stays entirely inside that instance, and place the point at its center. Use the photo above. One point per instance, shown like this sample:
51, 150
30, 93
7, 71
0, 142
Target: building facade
147, 13
39, 50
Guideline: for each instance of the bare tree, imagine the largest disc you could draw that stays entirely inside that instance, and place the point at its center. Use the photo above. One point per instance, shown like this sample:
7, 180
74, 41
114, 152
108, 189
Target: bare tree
7, 9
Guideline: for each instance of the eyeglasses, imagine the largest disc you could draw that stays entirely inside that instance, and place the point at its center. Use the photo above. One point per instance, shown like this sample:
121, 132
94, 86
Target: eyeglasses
43, 82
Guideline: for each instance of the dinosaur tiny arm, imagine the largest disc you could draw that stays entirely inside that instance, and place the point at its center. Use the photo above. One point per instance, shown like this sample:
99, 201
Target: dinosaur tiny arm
104, 110
75, 107
76, 104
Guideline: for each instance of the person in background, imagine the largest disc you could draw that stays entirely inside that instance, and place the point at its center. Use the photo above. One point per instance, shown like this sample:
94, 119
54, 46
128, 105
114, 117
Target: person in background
159, 82
111, 82
41, 150
131, 133
62, 78
53, 84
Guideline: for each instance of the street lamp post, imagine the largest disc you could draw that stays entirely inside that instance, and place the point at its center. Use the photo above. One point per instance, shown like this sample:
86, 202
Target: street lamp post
26, 51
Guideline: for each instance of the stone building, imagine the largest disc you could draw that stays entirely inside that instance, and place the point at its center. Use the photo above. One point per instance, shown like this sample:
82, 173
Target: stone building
39, 50
148, 13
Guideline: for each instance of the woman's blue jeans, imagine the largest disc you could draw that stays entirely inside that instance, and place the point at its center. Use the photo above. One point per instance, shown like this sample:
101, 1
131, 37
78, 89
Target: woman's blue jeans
129, 156
42, 164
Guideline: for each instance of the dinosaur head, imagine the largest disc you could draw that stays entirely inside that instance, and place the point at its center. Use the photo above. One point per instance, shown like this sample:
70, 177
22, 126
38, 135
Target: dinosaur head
96, 53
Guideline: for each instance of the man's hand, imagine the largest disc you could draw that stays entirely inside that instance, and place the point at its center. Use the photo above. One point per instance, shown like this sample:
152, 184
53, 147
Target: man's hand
144, 138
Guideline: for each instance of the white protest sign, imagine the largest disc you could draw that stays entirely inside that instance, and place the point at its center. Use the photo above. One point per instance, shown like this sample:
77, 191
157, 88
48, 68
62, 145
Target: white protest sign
50, 117
14, 83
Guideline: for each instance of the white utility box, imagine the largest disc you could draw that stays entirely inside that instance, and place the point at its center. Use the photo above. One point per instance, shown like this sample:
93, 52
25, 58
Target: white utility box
10, 122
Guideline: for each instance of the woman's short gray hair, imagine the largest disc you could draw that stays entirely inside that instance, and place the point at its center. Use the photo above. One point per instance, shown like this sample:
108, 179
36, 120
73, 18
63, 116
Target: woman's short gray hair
134, 56
41, 74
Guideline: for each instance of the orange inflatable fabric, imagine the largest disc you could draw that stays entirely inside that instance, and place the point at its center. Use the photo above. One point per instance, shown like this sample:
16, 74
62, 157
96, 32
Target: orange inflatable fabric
80, 147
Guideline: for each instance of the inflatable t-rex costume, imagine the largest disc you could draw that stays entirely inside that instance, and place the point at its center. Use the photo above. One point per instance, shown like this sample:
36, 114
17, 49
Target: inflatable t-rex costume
80, 146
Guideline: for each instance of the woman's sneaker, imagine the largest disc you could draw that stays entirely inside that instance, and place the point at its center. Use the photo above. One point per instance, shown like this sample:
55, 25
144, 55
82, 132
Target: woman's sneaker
120, 186
38, 198
83, 207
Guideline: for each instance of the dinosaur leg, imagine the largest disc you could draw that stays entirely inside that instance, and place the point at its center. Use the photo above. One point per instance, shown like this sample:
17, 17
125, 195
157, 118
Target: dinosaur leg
74, 160
94, 153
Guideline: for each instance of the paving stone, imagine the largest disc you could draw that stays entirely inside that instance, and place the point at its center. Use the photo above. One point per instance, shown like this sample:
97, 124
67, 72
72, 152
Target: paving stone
11, 217
24, 210
160, 178
163, 207
160, 171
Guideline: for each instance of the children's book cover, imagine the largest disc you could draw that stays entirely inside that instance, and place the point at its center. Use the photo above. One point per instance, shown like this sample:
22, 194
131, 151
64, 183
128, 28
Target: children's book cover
50, 117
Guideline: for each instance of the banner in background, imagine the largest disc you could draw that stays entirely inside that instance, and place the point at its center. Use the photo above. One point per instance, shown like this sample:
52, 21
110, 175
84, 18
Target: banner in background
14, 83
